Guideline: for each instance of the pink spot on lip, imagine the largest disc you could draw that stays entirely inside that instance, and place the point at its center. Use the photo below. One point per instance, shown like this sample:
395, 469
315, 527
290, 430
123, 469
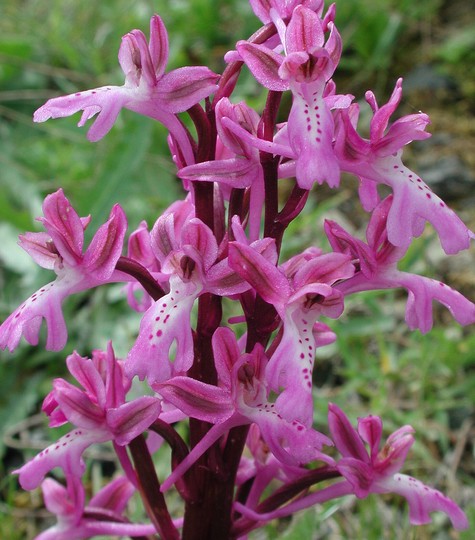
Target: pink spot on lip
159, 333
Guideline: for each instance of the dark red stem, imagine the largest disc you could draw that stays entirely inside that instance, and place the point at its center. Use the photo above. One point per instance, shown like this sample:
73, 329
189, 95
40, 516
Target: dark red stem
149, 488
142, 275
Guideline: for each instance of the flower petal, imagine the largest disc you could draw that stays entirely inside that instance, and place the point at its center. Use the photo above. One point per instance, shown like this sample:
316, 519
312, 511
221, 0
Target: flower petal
423, 500
132, 418
168, 320
106, 246
264, 65
66, 453
184, 87
106, 100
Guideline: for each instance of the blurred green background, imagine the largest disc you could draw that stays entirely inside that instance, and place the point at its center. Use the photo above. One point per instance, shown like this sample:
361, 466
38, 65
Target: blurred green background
50, 48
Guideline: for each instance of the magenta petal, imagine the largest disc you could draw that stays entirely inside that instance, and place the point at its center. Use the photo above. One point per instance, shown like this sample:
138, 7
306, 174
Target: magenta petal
326, 268
226, 353
132, 418
114, 496
310, 131
138, 246
422, 291
235, 172
345, 436
106, 246
76, 406
291, 442
224, 281
382, 114
394, 453
403, 131
37, 245
264, 65
291, 366
163, 237
238, 115
184, 87
370, 430
64, 226
199, 236
56, 499
197, 399
84, 371
268, 281
359, 474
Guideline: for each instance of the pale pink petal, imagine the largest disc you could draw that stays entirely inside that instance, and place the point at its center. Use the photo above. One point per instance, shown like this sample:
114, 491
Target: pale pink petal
423, 500
66, 453
106, 100
166, 322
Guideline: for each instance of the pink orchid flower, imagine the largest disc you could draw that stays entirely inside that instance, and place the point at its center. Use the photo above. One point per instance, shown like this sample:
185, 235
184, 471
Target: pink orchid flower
377, 260
103, 515
187, 251
301, 291
148, 90
265, 9
240, 399
378, 161
307, 66
240, 167
61, 249
99, 413
377, 471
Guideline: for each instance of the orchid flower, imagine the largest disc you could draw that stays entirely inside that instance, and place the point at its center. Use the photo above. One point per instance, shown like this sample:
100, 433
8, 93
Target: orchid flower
187, 251
377, 471
148, 90
61, 249
308, 65
241, 167
75, 521
378, 260
99, 413
301, 291
378, 161
263, 467
264, 9
240, 399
